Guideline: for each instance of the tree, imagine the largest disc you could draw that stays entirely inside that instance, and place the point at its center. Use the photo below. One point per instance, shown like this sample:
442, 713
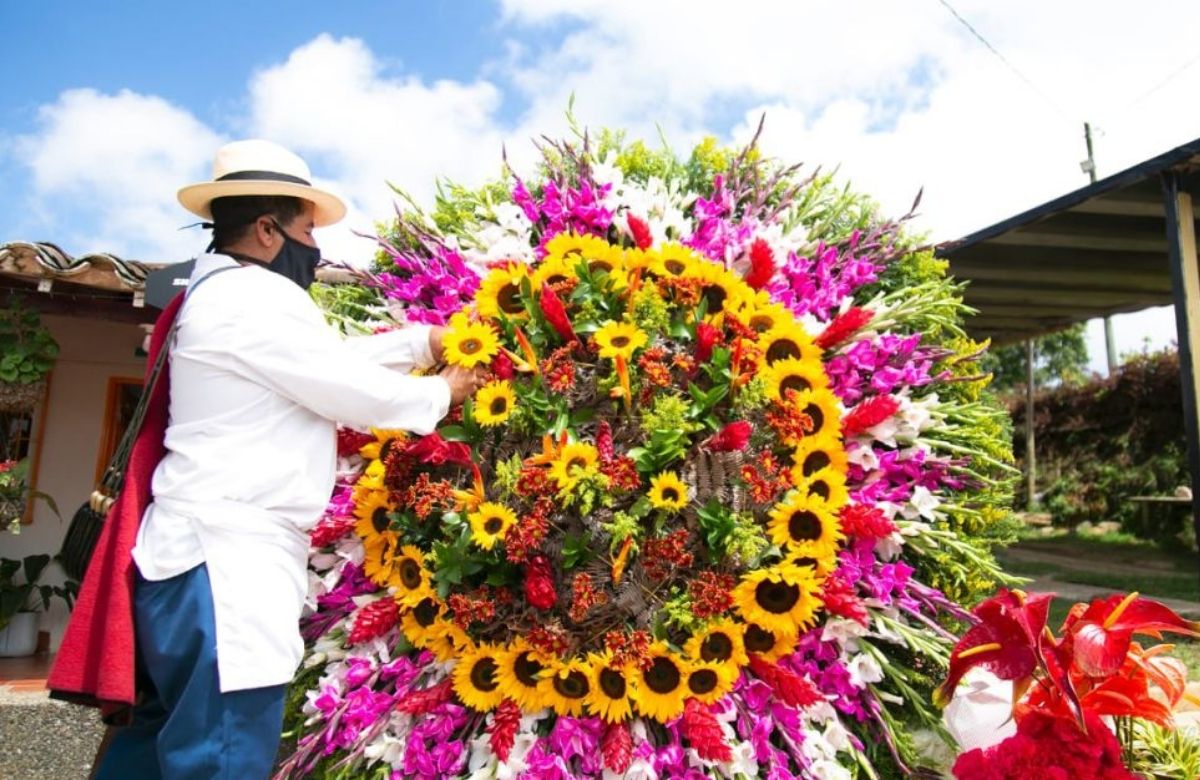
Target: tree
1061, 358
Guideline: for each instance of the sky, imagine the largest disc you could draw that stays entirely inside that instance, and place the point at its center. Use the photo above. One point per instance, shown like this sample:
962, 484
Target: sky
106, 109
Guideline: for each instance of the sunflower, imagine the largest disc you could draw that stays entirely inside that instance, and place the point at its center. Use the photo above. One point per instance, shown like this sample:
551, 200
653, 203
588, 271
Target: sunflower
823, 408
764, 317
639, 259
490, 524
771, 645
806, 526
449, 641
522, 677
373, 510
604, 258
420, 624
500, 292
708, 681
553, 270
371, 479
572, 246
782, 599
721, 290
574, 461
475, 678
821, 566
569, 685
720, 642
385, 442
659, 691
619, 338
667, 491
675, 260
788, 341
610, 689
410, 576
379, 553
817, 453
794, 374
494, 403
827, 485
468, 343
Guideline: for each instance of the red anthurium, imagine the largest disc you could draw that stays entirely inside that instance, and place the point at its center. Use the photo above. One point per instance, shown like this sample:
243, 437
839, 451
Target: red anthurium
556, 314
707, 337
1100, 637
732, 438
762, 264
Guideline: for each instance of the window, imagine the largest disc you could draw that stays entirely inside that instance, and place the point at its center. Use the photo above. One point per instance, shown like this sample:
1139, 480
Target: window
20, 437
121, 400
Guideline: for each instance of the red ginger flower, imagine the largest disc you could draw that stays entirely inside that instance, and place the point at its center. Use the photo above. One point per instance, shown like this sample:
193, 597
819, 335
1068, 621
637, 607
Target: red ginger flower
330, 529
502, 731
539, 583
422, 702
792, 689
639, 231
374, 620
556, 314
707, 337
868, 414
843, 326
860, 521
840, 599
762, 264
604, 441
616, 748
436, 451
700, 727
732, 438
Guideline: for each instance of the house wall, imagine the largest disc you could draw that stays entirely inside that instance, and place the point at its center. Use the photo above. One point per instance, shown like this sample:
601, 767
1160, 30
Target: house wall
92, 351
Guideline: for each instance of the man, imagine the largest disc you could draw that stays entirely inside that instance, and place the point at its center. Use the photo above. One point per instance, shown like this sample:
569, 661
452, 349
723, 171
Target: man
257, 381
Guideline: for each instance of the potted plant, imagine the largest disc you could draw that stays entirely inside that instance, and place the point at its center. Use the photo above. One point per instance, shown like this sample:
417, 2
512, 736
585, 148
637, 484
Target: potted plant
15, 494
21, 601
27, 353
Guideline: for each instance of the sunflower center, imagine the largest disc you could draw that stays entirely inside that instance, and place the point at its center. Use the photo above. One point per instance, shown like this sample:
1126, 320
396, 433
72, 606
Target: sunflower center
620, 341
527, 670
793, 382
612, 683
470, 346
670, 494
483, 675
804, 526
815, 462
702, 681
556, 279
380, 520
426, 612
576, 463
784, 349
805, 563
816, 415
600, 265
716, 647
573, 686
498, 406
662, 676
715, 296
759, 640
761, 323
385, 449
819, 488
675, 267
493, 525
410, 573
776, 597
509, 299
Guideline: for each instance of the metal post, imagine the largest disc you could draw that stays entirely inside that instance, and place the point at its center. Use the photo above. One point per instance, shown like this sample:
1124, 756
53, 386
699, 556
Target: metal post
1030, 451
1110, 344
1185, 283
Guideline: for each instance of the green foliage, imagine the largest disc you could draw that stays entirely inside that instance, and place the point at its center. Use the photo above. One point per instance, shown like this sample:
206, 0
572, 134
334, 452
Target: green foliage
1059, 358
28, 595
27, 350
624, 525
352, 308
1167, 753
677, 611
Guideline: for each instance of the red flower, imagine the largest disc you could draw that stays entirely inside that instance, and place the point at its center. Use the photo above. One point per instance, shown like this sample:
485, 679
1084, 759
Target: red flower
1048, 746
792, 689
700, 727
843, 326
604, 441
840, 599
436, 451
539, 583
868, 414
502, 366
503, 730
374, 620
707, 337
556, 314
1099, 637
865, 522
732, 438
762, 264
421, 702
330, 529
616, 747
640, 232
349, 442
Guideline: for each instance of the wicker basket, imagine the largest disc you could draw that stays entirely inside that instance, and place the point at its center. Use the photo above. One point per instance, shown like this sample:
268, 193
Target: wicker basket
17, 398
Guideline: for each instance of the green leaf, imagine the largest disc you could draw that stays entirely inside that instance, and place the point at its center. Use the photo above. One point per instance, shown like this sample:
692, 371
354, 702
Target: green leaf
454, 433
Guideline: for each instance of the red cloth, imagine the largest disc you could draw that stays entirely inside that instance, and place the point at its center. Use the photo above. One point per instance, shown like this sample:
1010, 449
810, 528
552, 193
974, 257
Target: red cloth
95, 664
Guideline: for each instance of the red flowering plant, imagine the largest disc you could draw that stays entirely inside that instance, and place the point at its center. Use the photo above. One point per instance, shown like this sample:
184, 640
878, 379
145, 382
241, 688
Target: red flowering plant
1063, 685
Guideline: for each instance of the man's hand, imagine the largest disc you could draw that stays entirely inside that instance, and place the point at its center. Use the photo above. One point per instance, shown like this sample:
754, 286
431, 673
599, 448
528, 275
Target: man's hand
463, 382
437, 335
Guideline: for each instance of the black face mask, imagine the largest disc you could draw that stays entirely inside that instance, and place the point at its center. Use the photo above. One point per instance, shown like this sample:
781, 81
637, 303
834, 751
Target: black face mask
296, 260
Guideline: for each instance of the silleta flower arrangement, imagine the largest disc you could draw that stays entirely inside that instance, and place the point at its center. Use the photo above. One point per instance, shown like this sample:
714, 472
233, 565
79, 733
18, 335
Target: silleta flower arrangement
729, 473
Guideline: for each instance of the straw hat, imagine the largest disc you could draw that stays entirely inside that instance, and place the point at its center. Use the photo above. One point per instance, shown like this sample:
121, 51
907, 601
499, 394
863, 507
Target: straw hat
260, 168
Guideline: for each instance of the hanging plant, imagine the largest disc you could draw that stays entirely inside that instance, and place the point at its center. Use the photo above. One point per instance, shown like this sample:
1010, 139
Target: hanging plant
27, 353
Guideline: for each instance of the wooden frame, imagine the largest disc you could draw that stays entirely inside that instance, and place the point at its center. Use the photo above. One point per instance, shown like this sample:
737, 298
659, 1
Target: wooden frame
110, 434
35, 446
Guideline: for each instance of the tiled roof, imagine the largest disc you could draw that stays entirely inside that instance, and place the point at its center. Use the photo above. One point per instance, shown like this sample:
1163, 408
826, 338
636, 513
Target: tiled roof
42, 261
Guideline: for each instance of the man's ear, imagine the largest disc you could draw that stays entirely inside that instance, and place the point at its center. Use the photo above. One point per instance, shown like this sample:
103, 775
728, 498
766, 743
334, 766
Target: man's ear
264, 231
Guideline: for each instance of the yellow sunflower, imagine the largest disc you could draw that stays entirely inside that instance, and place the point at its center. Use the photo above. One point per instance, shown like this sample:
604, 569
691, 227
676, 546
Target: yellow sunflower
411, 578
659, 690
771, 645
475, 680
668, 491
468, 343
721, 290
764, 317
827, 485
619, 338
817, 453
708, 681
494, 403
782, 599
372, 508
500, 292
720, 642
449, 641
572, 246
522, 675
794, 374
607, 259
371, 479
823, 408
788, 341
806, 526
674, 259
569, 684
490, 523
636, 259
385, 442
379, 557
574, 461
554, 270
610, 689
420, 624
820, 566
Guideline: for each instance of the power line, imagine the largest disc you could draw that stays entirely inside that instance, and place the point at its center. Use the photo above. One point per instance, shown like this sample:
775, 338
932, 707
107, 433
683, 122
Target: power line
1169, 78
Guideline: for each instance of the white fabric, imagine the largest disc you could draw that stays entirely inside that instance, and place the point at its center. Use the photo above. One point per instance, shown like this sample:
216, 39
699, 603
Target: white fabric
257, 379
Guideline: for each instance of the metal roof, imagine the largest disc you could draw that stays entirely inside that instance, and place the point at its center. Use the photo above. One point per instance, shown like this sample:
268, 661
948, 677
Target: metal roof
1099, 250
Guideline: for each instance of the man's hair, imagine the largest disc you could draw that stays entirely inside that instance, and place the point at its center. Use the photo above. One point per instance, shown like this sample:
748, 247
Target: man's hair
233, 215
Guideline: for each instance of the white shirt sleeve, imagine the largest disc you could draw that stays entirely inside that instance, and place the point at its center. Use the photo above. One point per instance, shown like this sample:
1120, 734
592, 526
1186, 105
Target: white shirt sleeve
291, 350
403, 349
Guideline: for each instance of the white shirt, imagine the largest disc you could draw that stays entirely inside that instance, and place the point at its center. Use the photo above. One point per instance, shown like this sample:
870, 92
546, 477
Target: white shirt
257, 380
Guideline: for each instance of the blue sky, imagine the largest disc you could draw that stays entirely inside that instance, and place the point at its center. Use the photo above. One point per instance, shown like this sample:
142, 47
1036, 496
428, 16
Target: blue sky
116, 105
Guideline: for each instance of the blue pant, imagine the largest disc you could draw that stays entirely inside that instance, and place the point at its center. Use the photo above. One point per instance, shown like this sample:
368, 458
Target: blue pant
185, 728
